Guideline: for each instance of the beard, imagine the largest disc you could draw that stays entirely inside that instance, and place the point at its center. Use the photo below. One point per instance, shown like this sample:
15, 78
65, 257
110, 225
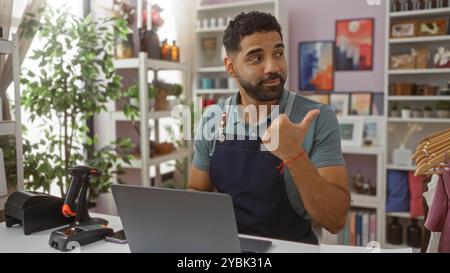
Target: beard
264, 93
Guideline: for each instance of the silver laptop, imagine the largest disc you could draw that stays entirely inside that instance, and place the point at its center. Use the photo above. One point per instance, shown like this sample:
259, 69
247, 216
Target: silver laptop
159, 220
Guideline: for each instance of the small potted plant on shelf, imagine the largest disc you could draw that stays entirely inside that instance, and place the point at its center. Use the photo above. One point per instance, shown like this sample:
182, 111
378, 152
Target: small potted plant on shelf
406, 112
163, 91
132, 94
395, 113
443, 109
428, 112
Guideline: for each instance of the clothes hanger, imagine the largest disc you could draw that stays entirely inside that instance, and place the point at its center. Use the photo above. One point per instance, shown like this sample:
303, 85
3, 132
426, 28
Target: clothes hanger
436, 164
434, 138
444, 138
426, 152
431, 140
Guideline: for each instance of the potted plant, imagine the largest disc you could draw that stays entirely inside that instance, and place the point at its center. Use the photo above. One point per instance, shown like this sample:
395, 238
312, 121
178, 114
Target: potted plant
443, 109
163, 90
395, 113
64, 93
132, 95
406, 112
417, 113
124, 48
428, 112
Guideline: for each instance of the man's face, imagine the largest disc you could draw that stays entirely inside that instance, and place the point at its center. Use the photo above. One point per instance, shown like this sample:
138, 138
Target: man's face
260, 66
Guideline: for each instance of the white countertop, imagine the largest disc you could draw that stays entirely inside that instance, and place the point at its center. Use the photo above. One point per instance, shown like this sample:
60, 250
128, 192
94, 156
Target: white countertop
13, 240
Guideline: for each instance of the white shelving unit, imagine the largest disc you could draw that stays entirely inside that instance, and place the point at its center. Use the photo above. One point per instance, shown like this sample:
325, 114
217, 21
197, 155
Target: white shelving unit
419, 39
432, 76
230, 9
108, 121
14, 128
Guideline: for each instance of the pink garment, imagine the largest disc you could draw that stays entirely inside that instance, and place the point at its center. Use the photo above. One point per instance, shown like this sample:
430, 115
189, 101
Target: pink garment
415, 193
438, 219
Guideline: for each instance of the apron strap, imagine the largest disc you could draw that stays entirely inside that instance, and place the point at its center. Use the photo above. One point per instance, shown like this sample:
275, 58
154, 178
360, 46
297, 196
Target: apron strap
291, 190
225, 109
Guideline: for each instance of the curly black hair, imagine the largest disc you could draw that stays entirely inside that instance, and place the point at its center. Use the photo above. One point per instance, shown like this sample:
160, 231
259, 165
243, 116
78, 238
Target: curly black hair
246, 24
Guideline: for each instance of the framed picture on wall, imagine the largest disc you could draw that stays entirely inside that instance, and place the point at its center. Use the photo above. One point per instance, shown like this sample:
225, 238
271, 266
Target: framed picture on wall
373, 131
354, 44
316, 66
361, 104
340, 102
377, 104
351, 129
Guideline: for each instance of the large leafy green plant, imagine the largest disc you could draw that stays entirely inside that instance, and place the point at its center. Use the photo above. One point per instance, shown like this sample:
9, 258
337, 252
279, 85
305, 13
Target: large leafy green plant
75, 79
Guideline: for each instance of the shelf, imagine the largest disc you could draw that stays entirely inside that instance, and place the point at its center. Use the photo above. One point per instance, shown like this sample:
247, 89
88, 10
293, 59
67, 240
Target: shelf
137, 163
215, 91
406, 215
152, 64
5, 46
120, 116
402, 246
401, 168
234, 5
365, 201
362, 150
420, 120
7, 128
214, 69
421, 13
419, 71
440, 38
209, 30
419, 98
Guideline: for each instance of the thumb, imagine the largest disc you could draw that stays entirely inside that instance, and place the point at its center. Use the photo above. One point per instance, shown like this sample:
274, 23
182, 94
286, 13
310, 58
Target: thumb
306, 122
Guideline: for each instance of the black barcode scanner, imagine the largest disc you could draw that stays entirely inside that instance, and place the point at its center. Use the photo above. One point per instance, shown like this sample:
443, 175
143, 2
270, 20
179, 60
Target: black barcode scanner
84, 229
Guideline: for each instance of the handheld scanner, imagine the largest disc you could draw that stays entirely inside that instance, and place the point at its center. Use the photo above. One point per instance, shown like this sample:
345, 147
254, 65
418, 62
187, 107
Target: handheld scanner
80, 178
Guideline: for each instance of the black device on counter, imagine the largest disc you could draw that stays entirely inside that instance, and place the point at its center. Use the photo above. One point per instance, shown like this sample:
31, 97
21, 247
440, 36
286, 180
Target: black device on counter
84, 229
34, 211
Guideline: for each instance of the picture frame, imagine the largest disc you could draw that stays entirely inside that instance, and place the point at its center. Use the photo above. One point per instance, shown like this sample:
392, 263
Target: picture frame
316, 66
361, 104
432, 27
373, 131
351, 129
354, 44
377, 104
404, 29
340, 103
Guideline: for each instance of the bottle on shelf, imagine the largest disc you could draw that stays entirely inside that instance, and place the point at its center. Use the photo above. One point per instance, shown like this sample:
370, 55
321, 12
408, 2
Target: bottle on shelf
175, 52
150, 43
395, 234
165, 51
414, 234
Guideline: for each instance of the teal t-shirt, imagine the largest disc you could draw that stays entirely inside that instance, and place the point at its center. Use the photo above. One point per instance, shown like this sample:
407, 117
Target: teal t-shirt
322, 142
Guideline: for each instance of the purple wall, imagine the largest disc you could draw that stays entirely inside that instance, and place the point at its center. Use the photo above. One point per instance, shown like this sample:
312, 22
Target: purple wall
315, 20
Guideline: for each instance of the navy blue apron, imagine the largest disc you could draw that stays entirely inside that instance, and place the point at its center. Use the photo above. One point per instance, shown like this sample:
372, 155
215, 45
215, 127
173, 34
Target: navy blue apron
261, 204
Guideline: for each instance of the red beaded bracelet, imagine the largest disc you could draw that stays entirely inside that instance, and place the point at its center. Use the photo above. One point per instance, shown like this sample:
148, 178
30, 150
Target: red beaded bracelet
284, 163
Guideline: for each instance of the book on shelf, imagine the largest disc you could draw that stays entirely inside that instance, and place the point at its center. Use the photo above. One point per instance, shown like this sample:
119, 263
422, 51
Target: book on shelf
360, 228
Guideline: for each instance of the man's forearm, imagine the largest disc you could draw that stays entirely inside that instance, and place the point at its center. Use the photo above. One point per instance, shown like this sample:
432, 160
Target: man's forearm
326, 204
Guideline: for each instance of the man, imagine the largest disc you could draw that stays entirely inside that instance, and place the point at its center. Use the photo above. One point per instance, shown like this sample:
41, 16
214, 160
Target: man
276, 193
